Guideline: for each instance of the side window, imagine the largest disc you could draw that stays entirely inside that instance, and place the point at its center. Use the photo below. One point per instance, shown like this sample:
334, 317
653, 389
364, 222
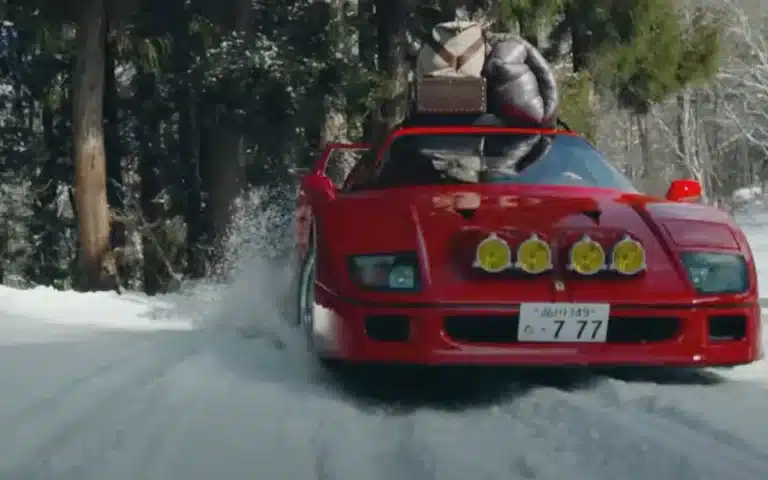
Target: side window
341, 163
360, 175
420, 160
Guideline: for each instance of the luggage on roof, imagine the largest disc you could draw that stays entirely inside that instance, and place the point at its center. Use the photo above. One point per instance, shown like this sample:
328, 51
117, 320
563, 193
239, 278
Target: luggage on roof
460, 72
521, 84
453, 49
449, 70
463, 79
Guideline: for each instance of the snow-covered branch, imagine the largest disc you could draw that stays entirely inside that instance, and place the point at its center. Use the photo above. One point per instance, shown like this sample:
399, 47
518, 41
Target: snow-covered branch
745, 74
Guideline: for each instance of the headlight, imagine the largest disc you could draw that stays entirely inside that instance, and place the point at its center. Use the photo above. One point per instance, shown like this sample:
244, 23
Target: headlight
493, 254
534, 256
397, 271
628, 256
716, 272
587, 257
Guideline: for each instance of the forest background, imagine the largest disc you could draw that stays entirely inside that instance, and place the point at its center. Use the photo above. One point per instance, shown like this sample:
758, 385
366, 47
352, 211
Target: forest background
136, 135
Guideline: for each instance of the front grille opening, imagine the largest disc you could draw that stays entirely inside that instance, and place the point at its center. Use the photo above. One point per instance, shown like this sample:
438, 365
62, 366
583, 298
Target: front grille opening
482, 329
727, 328
388, 328
642, 329
502, 329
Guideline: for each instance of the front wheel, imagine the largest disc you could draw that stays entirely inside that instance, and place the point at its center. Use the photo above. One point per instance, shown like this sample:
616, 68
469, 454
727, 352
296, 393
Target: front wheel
306, 307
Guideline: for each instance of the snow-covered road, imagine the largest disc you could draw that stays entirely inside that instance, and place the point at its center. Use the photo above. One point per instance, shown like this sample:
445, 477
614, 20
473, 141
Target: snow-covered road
101, 387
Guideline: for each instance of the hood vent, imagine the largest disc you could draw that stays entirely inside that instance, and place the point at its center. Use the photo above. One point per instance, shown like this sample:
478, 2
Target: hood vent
593, 215
467, 213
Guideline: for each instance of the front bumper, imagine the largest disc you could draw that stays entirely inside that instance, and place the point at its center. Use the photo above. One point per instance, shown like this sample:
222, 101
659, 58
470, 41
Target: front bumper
486, 335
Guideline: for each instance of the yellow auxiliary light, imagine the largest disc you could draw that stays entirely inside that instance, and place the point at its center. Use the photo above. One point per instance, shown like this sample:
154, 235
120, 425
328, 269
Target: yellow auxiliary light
534, 256
628, 256
493, 254
587, 257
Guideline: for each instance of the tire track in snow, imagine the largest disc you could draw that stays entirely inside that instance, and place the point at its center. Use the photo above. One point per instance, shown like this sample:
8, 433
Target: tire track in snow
36, 440
662, 402
167, 410
578, 425
586, 430
93, 449
649, 445
414, 459
449, 438
50, 398
184, 404
483, 443
126, 444
138, 429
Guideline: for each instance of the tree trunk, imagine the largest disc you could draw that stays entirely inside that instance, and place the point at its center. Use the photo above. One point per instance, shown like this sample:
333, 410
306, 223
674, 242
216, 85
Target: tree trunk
316, 105
189, 140
151, 182
187, 102
650, 173
226, 181
114, 152
113, 146
207, 165
579, 37
392, 26
366, 47
243, 10
43, 266
684, 126
96, 259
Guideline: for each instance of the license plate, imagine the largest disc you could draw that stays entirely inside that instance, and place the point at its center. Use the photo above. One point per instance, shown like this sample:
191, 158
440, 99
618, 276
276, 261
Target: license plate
563, 322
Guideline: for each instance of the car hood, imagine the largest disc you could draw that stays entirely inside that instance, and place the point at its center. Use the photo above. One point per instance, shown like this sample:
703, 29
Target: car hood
444, 225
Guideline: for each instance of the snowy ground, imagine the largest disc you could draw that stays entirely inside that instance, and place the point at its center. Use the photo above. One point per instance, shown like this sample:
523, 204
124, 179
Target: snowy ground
101, 387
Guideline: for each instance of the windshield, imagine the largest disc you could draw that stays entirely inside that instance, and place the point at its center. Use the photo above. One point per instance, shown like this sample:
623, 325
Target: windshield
498, 158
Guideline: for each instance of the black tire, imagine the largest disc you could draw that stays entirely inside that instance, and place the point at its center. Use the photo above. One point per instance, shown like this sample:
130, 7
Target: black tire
303, 284
300, 265
304, 303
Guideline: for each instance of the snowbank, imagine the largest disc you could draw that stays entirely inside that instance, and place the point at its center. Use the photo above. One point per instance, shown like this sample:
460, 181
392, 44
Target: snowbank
105, 310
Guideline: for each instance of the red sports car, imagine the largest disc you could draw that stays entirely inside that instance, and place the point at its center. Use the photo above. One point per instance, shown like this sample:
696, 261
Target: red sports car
558, 262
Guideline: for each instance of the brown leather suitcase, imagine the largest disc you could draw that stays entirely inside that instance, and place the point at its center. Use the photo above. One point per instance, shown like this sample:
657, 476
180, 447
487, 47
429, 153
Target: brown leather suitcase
450, 95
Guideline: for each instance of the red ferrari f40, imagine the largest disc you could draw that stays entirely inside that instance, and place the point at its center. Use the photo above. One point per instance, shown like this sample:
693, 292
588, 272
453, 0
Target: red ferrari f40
413, 257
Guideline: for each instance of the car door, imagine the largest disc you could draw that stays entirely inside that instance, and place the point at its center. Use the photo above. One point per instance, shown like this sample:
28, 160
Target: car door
334, 164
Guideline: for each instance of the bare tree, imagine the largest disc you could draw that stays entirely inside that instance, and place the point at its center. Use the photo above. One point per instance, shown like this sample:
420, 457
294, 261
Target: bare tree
743, 99
747, 75
715, 132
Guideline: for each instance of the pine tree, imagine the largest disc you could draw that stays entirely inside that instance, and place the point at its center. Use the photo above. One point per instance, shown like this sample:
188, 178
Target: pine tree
652, 53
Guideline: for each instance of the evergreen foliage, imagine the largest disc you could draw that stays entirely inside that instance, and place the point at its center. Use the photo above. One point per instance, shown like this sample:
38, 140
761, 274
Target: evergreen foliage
204, 100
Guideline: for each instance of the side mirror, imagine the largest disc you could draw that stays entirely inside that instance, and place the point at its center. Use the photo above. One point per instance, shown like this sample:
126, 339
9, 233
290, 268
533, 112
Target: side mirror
684, 191
319, 187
